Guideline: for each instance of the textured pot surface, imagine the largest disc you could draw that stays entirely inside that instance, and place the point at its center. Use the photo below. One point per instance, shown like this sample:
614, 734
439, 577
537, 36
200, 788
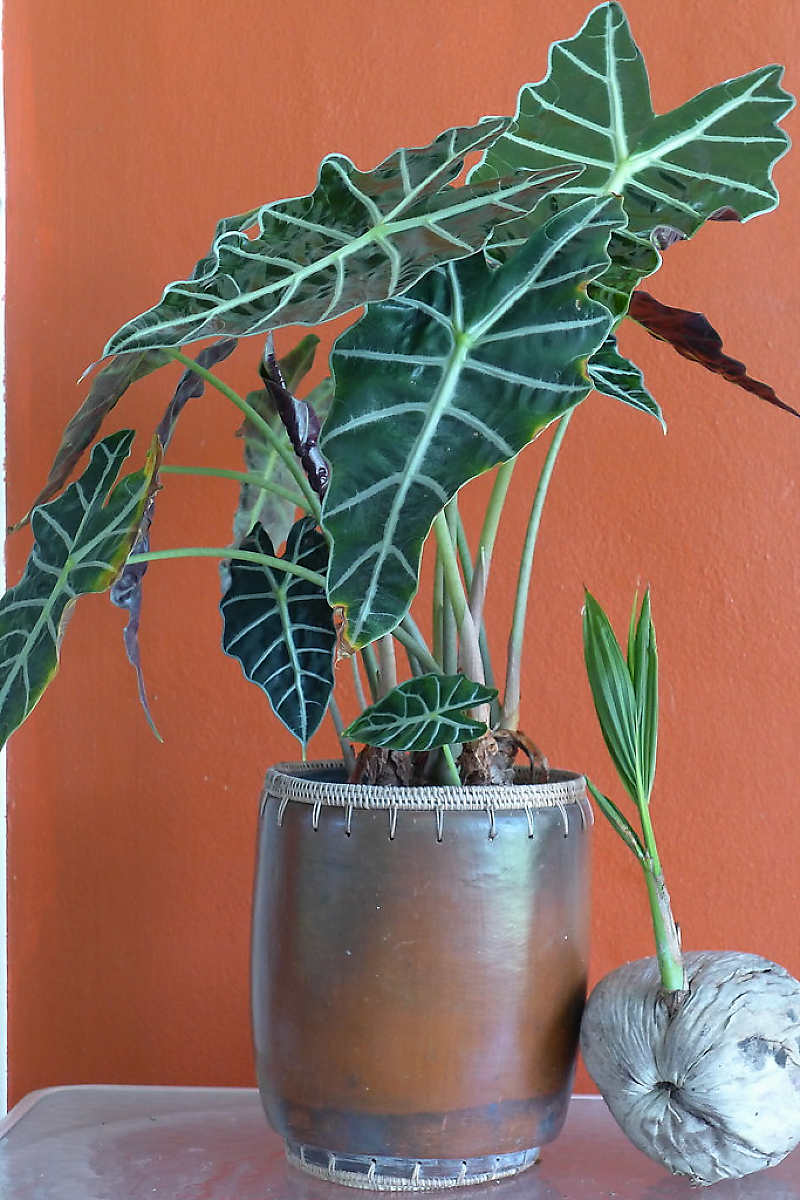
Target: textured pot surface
419, 966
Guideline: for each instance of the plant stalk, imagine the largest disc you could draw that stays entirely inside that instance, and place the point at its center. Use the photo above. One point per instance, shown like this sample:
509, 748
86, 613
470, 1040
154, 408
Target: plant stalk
409, 636
347, 750
267, 560
359, 686
371, 667
478, 584
668, 944
438, 610
467, 570
387, 665
453, 777
516, 641
251, 477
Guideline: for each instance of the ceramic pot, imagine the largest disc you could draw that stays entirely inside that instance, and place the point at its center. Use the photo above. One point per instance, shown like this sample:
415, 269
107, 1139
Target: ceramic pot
419, 973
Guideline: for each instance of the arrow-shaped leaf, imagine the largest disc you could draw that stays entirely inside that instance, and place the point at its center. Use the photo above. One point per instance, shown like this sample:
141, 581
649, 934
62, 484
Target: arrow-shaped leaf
81, 542
359, 236
280, 628
437, 386
716, 152
614, 375
425, 712
695, 338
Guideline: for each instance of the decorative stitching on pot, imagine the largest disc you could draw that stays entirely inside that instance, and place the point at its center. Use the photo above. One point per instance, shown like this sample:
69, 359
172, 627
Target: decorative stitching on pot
377, 1177
297, 782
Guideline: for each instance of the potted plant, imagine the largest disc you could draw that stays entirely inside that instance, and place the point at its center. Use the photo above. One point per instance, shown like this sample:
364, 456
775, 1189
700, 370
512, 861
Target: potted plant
694, 1052
402, 891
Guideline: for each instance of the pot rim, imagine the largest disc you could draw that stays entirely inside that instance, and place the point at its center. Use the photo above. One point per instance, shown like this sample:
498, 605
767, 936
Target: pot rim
296, 781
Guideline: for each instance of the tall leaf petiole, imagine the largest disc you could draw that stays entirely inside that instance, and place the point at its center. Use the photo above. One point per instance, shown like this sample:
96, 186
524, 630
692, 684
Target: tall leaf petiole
516, 641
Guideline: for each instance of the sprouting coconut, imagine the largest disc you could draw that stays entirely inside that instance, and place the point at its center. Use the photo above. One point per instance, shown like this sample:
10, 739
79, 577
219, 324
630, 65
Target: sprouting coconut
697, 1055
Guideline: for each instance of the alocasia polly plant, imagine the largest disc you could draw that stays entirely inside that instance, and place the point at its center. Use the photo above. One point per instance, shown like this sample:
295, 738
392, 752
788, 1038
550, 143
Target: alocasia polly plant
492, 308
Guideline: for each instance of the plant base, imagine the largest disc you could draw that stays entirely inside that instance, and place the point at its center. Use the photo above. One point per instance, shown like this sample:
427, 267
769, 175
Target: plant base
406, 1174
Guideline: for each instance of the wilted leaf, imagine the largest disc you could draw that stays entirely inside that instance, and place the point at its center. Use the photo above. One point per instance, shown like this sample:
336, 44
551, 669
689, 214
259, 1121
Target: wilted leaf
191, 386
280, 628
614, 375
107, 388
425, 712
299, 419
126, 591
694, 337
81, 541
360, 236
437, 386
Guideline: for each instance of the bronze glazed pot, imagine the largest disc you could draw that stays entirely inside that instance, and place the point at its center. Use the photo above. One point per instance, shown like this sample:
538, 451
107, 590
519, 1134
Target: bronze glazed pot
419, 973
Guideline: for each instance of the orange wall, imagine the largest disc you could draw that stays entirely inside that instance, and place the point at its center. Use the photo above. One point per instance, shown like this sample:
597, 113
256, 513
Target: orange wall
133, 126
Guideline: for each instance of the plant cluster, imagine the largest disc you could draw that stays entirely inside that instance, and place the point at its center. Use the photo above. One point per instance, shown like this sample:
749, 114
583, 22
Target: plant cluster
491, 309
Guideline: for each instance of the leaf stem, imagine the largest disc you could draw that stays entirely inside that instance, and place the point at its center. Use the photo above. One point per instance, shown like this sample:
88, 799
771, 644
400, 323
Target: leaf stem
359, 686
277, 564
450, 767
491, 521
284, 450
347, 750
243, 477
511, 700
371, 667
387, 665
453, 587
468, 571
438, 609
410, 637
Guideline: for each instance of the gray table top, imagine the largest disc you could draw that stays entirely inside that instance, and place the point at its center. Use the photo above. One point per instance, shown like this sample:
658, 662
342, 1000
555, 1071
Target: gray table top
149, 1143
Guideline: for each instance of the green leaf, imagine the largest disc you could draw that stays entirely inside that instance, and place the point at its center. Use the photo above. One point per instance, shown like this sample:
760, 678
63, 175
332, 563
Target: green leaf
612, 692
425, 712
359, 236
82, 540
593, 108
619, 821
632, 259
643, 668
280, 628
614, 375
711, 158
625, 693
438, 386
